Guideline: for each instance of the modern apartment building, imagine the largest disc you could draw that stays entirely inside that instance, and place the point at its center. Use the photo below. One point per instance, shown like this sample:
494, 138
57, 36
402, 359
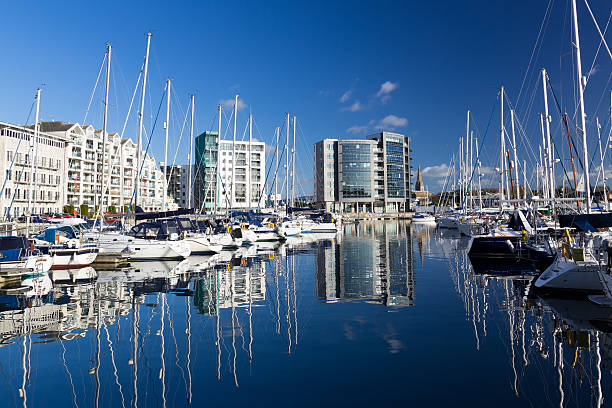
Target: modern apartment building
214, 164
27, 166
363, 175
84, 169
178, 184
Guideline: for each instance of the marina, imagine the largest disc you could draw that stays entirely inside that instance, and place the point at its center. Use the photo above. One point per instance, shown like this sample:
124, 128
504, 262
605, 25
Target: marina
399, 203
377, 305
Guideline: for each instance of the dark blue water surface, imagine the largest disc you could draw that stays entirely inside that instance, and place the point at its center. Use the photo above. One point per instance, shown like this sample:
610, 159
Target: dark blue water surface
382, 315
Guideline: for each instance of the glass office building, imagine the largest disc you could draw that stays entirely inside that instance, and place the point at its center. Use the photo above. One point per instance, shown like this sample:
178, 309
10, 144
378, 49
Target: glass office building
363, 175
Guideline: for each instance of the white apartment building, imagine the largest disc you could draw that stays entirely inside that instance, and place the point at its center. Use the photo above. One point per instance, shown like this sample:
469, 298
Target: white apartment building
84, 169
20, 155
248, 169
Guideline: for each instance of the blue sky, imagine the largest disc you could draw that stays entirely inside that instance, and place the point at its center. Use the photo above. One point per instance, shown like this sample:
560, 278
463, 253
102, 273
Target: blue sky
344, 68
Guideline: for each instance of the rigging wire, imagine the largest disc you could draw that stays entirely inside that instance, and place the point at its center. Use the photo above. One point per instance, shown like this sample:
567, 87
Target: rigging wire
94, 88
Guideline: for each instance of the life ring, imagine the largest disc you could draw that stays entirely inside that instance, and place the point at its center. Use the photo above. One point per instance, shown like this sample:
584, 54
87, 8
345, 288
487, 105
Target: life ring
242, 226
229, 228
271, 225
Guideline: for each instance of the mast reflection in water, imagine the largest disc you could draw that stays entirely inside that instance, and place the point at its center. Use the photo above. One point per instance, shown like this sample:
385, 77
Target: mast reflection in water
315, 321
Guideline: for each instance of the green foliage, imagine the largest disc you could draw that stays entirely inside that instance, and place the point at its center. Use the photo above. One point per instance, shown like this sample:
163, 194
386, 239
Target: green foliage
69, 209
84, 210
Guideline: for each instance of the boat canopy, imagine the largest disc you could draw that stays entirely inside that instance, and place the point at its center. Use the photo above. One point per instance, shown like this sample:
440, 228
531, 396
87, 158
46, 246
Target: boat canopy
586, 222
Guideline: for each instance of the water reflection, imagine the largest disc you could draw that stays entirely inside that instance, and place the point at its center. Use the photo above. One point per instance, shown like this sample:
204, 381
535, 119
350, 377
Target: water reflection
555, 343
256, 324
373, 262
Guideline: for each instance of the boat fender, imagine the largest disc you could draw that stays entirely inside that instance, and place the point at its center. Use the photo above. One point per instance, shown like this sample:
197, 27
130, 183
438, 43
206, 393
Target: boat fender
229, 228
510, 245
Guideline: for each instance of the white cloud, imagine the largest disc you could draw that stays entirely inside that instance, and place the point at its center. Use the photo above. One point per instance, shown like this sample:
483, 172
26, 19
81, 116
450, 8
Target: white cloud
392, 121
345, 96
228, 104
354, 107
356, 130
438, 171
384, 93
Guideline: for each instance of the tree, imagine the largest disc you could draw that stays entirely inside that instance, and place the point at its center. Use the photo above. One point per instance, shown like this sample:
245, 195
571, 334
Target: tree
69, 209
112, 209
84, 210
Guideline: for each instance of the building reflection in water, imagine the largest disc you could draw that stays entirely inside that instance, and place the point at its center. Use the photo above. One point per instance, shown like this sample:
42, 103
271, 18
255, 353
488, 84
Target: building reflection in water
372, 262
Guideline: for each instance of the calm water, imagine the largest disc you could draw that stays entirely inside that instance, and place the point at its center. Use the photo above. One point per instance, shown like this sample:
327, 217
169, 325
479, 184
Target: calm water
384, 314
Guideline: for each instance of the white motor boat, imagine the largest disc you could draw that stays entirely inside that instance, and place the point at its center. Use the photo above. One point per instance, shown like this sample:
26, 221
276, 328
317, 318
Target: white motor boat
567, 275
148, 241
423, 219
290, 228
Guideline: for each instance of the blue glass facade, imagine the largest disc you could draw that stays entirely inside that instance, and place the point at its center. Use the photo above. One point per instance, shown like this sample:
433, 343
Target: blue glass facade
395, 168
356, 170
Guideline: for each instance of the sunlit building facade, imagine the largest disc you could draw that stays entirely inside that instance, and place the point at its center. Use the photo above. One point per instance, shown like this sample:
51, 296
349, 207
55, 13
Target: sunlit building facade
363, 175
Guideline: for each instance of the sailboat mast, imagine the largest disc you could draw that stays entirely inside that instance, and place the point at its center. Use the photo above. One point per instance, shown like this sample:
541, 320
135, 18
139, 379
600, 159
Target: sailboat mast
140, 121
293, 166
549, 154
32, 150
603, 173
218, 177
471, 167
467, 152
585, 156
501, 149
478, 167
516, 169
189, 158
544, 164
248, 162
287, 164
233, 190
104, 130
277, 131
166, 127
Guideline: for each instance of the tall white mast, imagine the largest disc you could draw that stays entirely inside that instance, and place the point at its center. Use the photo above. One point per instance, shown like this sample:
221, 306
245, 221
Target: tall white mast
601, 156
544, 165
585, 156
140, 121
516, 169
478, 170
501, 149
104, 127
166, 127
234, 161
525, 179
471, 167
549, 150
248, 162
293, 166
218, 177
277, 132
467, 152
454, 182
189, 157
461, 184
32, 149
287, 164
